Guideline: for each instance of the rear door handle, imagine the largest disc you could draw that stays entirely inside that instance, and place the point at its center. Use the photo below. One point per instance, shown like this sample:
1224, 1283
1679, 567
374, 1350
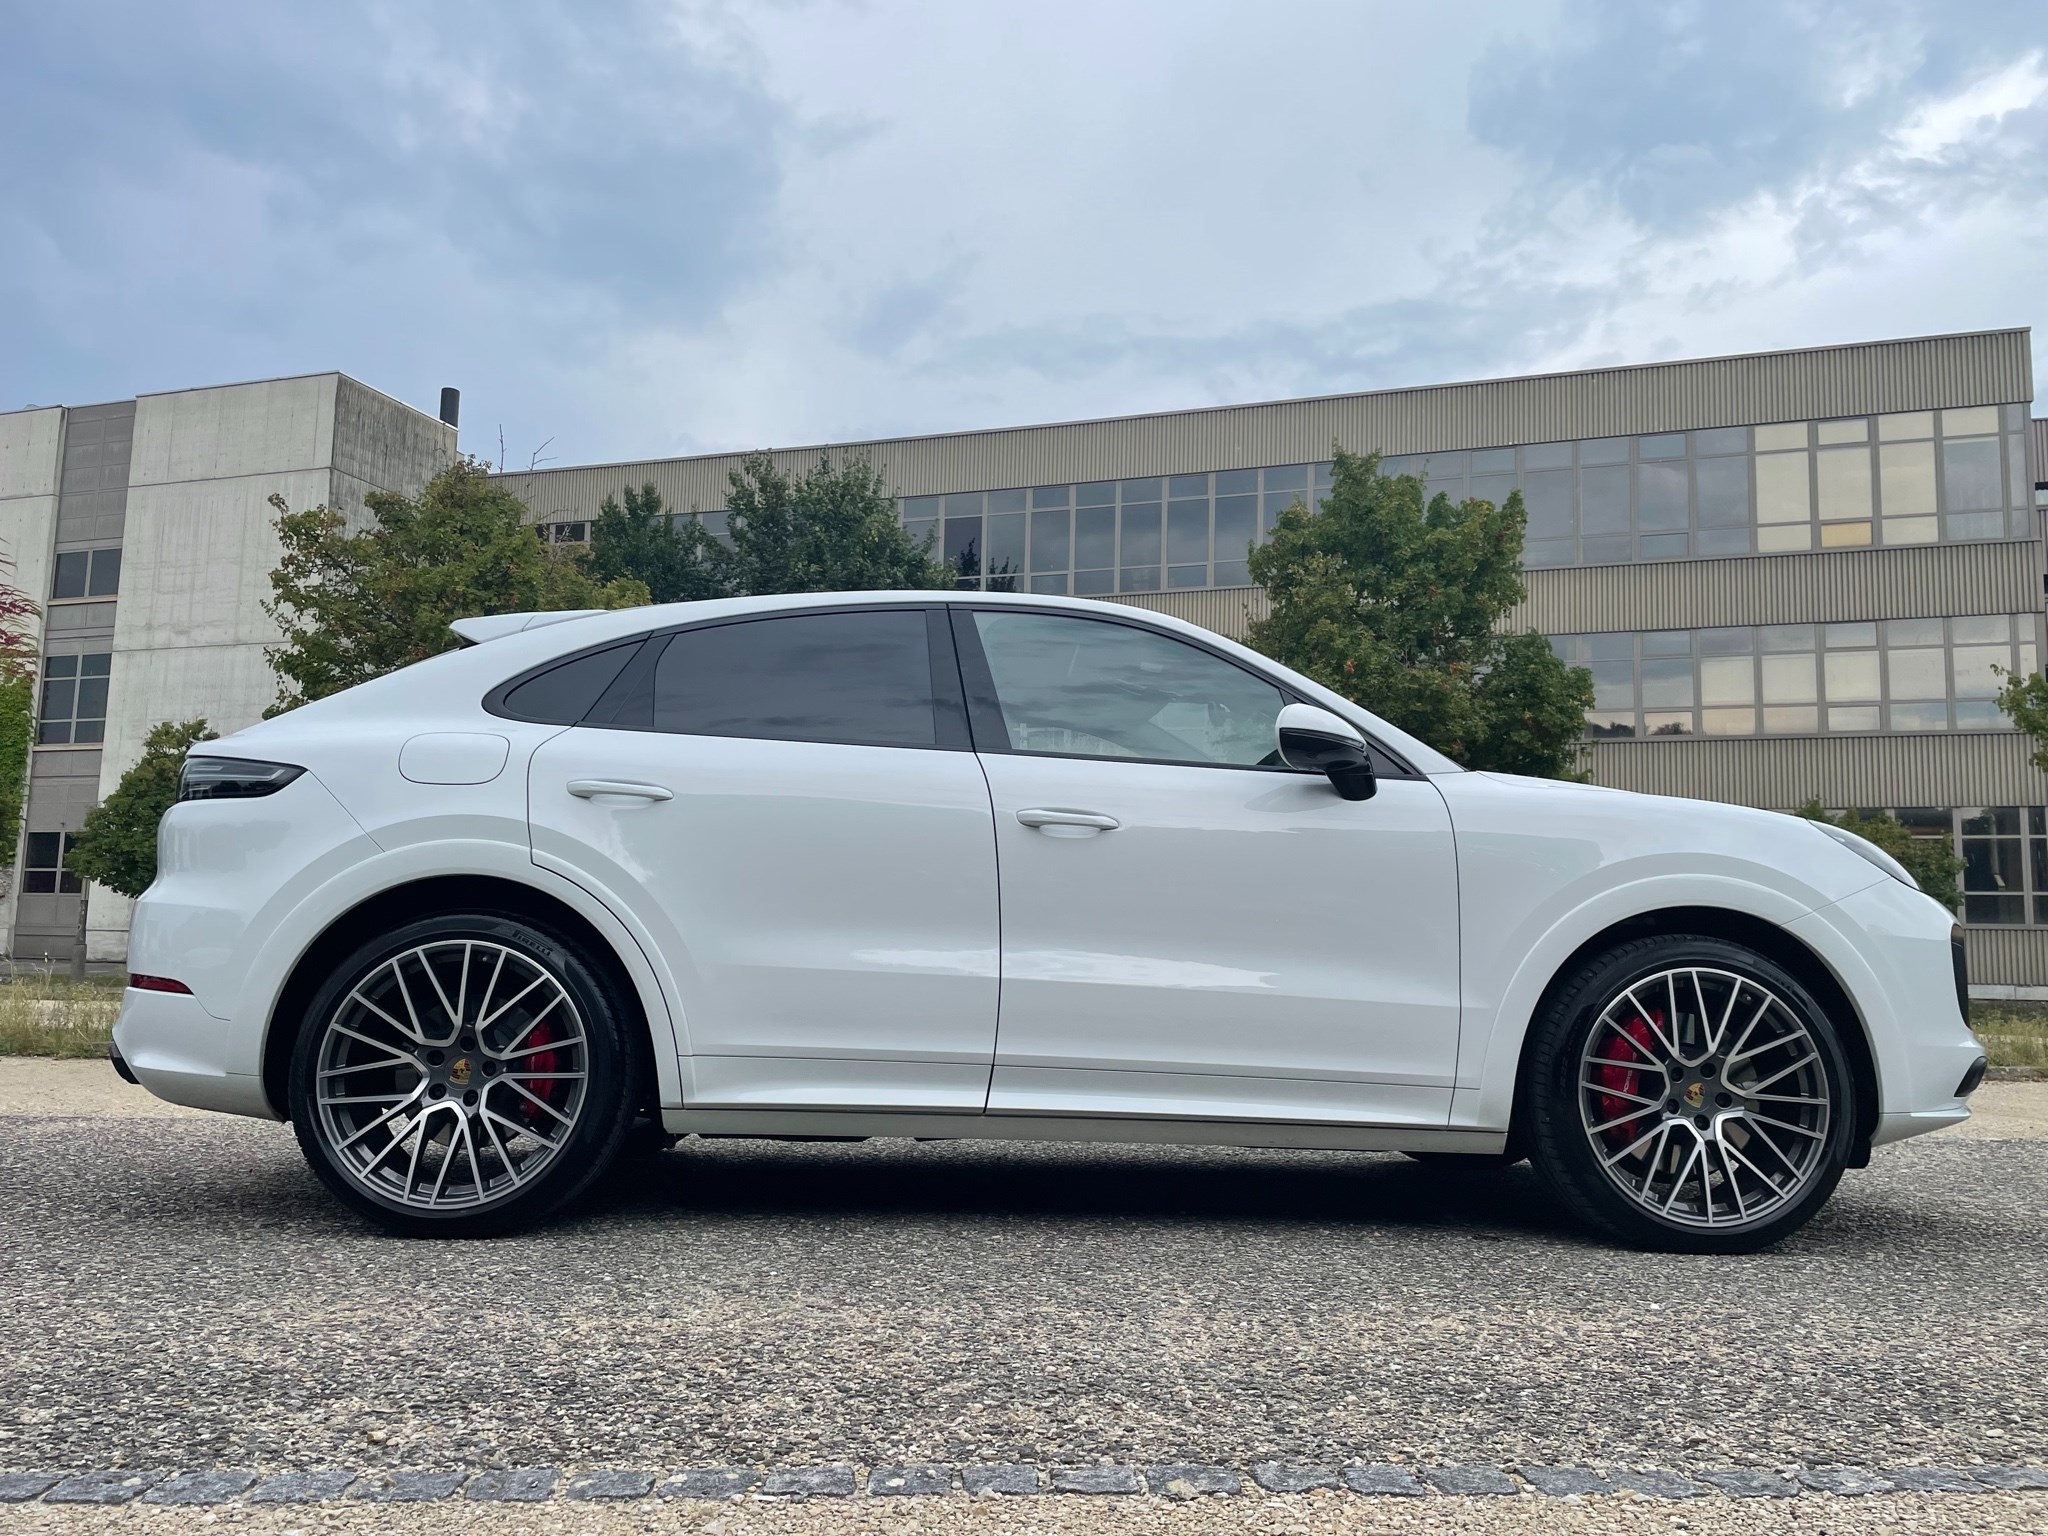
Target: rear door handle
1052, 816
588, 789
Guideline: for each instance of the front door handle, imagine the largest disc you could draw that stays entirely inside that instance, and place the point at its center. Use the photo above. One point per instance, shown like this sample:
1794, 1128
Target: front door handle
1052, 816
589, 789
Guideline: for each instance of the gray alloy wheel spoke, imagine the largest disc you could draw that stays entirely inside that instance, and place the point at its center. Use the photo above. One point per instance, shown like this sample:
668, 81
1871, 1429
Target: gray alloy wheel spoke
417, 1125
1682, 1136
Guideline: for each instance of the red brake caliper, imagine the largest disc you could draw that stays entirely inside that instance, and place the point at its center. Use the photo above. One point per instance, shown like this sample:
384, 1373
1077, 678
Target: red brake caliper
549, 1090
1624, 1080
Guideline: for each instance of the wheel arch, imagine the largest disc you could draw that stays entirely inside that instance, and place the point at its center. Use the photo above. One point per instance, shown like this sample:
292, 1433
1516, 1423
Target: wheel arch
1767, 938
400, 903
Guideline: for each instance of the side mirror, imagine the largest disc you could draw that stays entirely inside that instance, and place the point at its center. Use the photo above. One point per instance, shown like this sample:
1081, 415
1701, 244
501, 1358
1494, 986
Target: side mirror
1317, 741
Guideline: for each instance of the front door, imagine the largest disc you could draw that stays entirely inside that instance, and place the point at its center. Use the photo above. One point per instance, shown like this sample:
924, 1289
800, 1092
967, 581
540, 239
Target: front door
1190, 928
792, 812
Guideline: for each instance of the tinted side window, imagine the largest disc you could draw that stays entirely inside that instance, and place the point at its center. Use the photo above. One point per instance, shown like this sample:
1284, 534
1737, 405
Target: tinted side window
1109, 690
861, 678
563, 695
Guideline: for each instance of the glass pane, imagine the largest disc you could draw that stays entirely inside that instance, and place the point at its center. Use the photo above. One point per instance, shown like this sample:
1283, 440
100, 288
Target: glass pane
1236, 482
1005, 501
1147, 489
1727, 680
1994, 909
1910, 530
1138, 578
1493, 461
42, 850
1539, 553
1662, 497
53, 733
1614, 685
61, 666
2017, 493
1728, 722
1604, 725
2001, 819
1667, 725
1852, 677
1738, 641
967, 504
1975, 418
918, 508
1854, 429
1861, 717
1992, 864
1605, 551
1187, 575
1771, 541
1791, 721
1906, 474
1437, 466
1094, 583
1970, 476
1237, 524
1049, 586
1006, 544
1785, 434
1984, 629
1913, 632
1781, 489
1785, 637
1789, 679
1547, 456
1094, 539
963, 545
1665, 546
92, 698
1455, 489
1916, 675
1669, 445
1919, 717
1844, 476
1908, 424
1140, 529
1547, 496
57, 699
105, 579
1603, 500
1975, 678
1604, 450
1084, 686
39, 882
1667, 681
1100, 493
1049, 533
1721, 440
1724, 493
1975, 525
1051, 496
1187, 485
1979, 715
69, 579
1722, 541
1187, 532
1851, 635
1844, 535
1667, 642
1611, 647
1232, 573
1493, 488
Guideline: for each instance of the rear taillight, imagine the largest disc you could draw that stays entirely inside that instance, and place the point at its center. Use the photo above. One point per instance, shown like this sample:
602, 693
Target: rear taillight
157, 984
232, 778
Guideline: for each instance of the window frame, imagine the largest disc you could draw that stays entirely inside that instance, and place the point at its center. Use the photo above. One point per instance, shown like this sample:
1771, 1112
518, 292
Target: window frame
635, 683
991, 733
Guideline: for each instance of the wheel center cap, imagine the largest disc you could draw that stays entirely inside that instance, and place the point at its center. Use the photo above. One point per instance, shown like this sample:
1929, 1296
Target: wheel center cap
458, 1072
1695, 1094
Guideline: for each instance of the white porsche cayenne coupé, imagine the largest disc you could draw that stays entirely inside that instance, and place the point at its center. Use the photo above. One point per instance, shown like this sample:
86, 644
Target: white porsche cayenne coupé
917, 864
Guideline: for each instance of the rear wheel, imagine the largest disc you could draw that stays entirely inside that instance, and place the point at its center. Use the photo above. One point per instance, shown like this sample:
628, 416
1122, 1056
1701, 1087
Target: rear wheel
464, 1075
1687, 1093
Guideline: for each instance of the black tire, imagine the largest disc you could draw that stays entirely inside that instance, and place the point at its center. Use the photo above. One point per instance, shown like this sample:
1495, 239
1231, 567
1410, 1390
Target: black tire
1566, 1087
1466, 1162
598, 1084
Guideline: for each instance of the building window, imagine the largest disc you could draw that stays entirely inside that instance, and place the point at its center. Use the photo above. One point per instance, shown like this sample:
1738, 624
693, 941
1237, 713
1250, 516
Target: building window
1916, 477
42, 871
1803, 679
86, 573
74, 700
563, 533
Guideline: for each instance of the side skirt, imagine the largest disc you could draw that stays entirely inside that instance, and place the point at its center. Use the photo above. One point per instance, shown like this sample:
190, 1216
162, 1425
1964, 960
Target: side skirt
1005, 1127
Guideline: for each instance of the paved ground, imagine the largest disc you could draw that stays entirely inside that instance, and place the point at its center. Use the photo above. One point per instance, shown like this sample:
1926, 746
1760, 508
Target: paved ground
182, 1293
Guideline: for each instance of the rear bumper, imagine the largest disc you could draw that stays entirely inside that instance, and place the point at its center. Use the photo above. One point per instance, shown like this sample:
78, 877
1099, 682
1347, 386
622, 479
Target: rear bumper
180, 1052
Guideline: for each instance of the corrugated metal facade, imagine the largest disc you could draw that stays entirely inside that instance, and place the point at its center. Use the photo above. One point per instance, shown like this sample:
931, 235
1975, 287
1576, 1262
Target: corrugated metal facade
2008, 957
1783, 772
1925, 581
1226, 610
1974, 369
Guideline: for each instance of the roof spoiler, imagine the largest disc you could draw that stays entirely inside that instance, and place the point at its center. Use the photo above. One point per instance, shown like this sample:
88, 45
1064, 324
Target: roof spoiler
495, 626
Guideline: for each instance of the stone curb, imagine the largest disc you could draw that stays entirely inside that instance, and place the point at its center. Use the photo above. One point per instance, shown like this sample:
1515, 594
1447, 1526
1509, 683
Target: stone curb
1170, 1480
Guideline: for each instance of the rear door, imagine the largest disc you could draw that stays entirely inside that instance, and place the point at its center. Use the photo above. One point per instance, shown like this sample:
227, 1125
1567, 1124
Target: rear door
790, 806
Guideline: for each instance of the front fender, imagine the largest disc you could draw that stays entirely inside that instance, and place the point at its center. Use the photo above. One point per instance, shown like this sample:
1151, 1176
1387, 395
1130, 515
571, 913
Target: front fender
1495, 1019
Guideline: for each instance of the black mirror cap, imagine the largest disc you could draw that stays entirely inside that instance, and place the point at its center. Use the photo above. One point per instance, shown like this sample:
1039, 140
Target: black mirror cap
1346, 762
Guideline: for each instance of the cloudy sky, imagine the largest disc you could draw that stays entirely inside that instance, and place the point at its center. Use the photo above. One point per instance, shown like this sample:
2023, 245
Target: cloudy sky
636, 229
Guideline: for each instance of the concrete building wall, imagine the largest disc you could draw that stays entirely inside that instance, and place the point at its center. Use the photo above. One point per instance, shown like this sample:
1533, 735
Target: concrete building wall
31, 452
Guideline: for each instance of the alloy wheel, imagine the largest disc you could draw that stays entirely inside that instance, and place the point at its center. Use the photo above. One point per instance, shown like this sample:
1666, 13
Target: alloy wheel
451, 1074
1705, 1097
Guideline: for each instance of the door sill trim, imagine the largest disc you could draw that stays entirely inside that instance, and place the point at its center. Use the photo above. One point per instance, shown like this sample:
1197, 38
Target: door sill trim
1007, 1126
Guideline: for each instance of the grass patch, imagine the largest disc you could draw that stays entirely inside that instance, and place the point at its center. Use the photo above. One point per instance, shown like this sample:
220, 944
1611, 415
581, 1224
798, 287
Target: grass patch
46, 1015
2015, 1036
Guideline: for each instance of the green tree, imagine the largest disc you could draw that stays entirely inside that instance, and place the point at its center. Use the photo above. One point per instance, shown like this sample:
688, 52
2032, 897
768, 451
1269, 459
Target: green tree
640, 541
17, 730
355, 605
830, 529
116, 846
1396, 604
1931, 861
2025, 699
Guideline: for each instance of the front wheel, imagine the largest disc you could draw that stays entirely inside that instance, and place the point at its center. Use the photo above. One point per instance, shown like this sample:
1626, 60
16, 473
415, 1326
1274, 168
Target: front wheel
1688, 1094
464, 1075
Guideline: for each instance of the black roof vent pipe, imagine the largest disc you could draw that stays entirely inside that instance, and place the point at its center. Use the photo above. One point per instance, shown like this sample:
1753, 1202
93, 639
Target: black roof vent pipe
451, 407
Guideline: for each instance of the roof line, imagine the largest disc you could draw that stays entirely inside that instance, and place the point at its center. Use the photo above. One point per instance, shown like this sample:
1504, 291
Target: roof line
1254, 405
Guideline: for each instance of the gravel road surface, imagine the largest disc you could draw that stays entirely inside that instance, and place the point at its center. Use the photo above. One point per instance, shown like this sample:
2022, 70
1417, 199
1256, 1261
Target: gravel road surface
181, 1293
